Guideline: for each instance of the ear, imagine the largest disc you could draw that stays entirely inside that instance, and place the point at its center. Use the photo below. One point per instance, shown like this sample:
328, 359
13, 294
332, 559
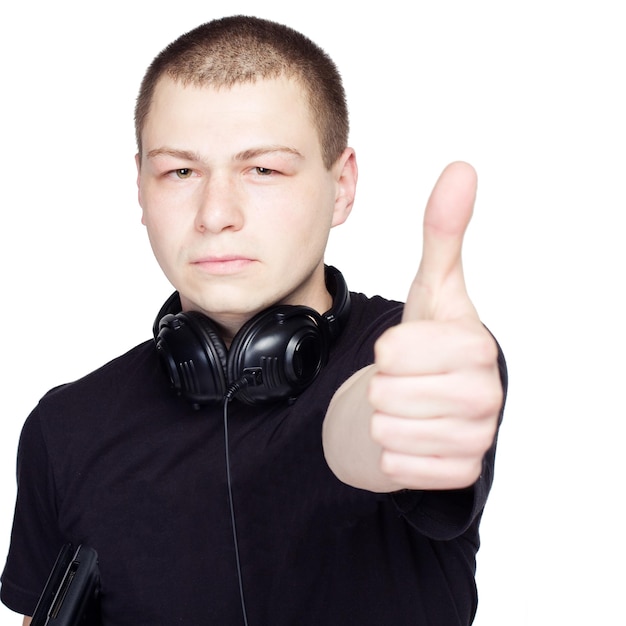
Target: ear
139, 198
346, 174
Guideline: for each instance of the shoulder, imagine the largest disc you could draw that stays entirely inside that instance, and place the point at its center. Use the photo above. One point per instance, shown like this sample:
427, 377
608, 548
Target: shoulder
122, 382
369, 318
131, 365
354, 348
372, 314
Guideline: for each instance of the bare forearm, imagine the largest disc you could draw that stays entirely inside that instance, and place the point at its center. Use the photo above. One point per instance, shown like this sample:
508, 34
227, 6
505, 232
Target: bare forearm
349, 449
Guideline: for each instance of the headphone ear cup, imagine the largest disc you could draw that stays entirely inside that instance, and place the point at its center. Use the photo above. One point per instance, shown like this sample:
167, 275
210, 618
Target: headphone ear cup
279, 353
194, 356
274, 356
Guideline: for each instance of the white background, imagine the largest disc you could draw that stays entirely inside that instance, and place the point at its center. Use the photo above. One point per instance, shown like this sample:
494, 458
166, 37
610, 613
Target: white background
531, 93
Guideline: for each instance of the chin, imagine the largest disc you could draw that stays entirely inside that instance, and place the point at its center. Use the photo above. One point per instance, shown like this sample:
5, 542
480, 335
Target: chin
220, 304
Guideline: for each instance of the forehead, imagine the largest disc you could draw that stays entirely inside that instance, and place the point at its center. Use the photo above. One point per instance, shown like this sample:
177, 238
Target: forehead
266, 110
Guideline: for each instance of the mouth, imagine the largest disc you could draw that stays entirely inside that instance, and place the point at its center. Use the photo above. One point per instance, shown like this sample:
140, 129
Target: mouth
222, 265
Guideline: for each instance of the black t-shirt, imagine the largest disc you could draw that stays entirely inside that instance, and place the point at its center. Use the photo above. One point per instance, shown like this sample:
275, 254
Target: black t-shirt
118, 462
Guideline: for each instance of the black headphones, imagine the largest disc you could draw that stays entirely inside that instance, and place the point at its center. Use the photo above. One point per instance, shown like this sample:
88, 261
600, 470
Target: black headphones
274, 356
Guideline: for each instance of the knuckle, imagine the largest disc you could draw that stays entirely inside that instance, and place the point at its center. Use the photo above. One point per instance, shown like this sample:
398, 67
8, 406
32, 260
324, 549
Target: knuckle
485, 399
385, 347
466, 473
380, 348
484, 349
388, 464
479, 440
379, 392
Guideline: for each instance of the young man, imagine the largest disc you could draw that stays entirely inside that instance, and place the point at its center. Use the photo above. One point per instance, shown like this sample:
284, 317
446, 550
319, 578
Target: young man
346, 480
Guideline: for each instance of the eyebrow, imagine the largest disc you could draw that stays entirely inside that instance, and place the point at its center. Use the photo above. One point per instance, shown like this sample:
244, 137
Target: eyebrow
180, 154
244, 155
251, 153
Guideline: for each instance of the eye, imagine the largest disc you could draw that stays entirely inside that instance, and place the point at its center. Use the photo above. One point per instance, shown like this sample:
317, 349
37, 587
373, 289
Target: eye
183, 172
264, 171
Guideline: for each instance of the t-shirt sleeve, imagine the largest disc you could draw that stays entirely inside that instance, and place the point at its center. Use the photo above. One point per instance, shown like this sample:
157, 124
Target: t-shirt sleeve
35, 538
444, 515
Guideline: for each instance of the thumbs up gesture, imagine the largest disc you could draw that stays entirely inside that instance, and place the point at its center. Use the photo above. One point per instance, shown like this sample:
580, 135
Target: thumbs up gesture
423, 416
436, 393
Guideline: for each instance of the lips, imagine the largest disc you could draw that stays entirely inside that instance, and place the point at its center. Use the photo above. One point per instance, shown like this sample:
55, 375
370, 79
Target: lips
223, 265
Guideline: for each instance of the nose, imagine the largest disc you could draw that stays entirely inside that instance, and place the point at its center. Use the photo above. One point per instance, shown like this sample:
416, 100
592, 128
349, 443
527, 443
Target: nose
219, 206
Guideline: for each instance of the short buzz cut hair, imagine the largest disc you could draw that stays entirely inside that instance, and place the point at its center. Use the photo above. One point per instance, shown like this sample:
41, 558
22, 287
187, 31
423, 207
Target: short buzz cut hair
241, 49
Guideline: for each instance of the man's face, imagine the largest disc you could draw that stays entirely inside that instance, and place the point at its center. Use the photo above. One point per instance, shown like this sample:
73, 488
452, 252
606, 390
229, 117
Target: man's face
236, 198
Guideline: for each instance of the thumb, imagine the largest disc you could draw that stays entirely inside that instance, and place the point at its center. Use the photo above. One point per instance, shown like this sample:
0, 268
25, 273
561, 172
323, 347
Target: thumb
438, 290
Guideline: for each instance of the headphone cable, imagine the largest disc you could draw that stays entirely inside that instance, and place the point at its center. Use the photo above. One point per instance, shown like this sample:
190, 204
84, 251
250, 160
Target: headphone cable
229, 395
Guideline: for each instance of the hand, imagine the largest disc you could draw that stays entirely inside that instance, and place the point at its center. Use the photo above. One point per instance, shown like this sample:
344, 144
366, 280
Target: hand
436, 393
